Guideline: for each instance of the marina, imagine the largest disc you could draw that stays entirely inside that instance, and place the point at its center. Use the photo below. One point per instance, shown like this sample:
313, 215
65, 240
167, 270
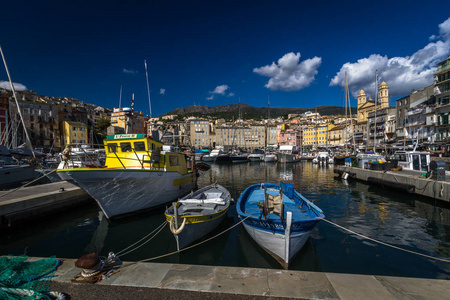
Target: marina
411, 222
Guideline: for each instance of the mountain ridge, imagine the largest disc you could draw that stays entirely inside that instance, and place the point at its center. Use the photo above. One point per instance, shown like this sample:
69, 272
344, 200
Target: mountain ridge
248, 112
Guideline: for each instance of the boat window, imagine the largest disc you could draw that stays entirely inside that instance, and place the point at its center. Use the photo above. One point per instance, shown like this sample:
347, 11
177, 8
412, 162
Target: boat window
139, 146
112, 147
125, 147
400, 157
174, 160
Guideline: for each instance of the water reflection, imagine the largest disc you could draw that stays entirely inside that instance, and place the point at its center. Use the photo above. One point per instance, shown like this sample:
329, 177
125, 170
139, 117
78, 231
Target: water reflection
406, 221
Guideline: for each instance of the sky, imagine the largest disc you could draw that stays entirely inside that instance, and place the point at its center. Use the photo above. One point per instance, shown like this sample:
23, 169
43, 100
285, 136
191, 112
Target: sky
215, 52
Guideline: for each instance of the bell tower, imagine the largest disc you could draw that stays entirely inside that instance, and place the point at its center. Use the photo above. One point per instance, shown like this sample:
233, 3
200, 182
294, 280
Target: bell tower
362, 98
383, 94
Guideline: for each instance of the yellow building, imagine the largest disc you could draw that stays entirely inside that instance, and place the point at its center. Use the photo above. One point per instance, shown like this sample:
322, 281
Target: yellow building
73, 133
317, 135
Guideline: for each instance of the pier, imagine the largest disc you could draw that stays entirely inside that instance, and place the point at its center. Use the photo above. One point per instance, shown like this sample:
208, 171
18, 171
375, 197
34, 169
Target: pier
22, 205
406, 180
175, 281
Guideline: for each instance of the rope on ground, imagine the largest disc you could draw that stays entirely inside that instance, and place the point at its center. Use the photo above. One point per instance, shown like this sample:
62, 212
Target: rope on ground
16, 189
385, 244
159, 228
190, 247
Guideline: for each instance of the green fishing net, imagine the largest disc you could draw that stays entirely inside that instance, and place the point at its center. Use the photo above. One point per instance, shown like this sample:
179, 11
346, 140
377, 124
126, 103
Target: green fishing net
22, 279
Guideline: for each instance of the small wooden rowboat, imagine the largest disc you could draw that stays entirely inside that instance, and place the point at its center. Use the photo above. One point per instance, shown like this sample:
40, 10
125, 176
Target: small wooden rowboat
197, 214
278, 218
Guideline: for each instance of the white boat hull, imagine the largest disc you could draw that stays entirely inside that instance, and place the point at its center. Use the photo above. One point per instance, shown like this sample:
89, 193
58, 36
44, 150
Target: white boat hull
275, 243
269, 158
120, 192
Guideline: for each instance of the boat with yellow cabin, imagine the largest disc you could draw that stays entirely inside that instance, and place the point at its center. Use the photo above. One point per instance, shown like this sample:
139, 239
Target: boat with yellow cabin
139, 173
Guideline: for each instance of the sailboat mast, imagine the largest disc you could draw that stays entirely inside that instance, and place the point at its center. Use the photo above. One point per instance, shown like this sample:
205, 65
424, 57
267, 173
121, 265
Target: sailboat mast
148, 88
17, 103
120, 97
375, 121
346, 119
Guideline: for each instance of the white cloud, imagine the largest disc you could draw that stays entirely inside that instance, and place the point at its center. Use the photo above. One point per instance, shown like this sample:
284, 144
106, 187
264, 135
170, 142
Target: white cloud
220, 89
129, 71
17, 86
289, 74
162, 91
402, 74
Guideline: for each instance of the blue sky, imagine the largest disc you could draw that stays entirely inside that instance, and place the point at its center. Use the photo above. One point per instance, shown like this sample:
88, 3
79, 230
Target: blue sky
217, 52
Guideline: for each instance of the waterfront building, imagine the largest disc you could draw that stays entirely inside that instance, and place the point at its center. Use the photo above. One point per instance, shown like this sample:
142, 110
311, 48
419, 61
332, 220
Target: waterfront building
316, 135
73, 133
401, 132
417, 116
289, 137
337, 136
200, 133
129, 120
377, 134
442, 106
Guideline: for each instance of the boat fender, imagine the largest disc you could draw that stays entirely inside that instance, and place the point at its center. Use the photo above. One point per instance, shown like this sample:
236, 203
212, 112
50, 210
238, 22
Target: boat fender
179, 229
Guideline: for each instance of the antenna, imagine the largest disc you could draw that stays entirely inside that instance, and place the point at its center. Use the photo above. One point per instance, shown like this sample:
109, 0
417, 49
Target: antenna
148, 88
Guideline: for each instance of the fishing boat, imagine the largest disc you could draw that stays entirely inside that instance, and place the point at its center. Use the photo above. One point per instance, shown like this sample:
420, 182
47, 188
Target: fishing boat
287, 154
138, 174
197, 214
256, 155
211, 157
323, 158
278, 218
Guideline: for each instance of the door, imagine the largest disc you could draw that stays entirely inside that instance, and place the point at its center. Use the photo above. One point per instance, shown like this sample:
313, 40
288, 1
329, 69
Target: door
423, 162
416, 162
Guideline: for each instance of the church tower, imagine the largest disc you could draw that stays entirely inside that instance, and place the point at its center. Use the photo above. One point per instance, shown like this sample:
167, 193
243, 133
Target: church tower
362, 97
383, 94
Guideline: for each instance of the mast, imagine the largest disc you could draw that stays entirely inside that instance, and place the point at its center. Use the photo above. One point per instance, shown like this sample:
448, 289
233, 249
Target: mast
17, 103
346, 119
148, 88
120, 97
375, 121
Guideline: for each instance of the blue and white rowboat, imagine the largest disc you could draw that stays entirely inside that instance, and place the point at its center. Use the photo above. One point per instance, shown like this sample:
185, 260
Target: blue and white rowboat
278, 218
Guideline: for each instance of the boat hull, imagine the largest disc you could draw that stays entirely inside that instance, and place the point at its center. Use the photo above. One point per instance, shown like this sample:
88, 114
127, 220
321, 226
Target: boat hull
269, 158
287, 158
195, 231
11, 175
276, 245
121, 192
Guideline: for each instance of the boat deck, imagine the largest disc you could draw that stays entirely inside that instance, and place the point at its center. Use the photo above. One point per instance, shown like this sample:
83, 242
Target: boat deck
251, 207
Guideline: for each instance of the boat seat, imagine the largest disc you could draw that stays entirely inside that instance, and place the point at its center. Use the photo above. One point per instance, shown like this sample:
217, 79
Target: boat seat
207, 201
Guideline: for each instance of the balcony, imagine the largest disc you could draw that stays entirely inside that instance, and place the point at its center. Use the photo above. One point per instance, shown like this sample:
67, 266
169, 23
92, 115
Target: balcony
442, 69
416, 111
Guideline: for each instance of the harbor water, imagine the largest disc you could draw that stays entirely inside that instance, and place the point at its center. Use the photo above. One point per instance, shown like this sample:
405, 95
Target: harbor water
407, 221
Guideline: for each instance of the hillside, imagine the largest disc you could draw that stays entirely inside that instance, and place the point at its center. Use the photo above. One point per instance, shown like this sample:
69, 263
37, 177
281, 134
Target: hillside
249, 112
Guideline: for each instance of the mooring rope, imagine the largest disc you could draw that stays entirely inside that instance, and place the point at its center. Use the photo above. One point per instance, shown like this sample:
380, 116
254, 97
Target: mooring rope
190, 247
385, 244
159, 228
16, 189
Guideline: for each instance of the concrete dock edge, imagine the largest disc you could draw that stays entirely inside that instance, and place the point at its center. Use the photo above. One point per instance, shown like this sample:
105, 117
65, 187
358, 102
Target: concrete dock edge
175, 281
